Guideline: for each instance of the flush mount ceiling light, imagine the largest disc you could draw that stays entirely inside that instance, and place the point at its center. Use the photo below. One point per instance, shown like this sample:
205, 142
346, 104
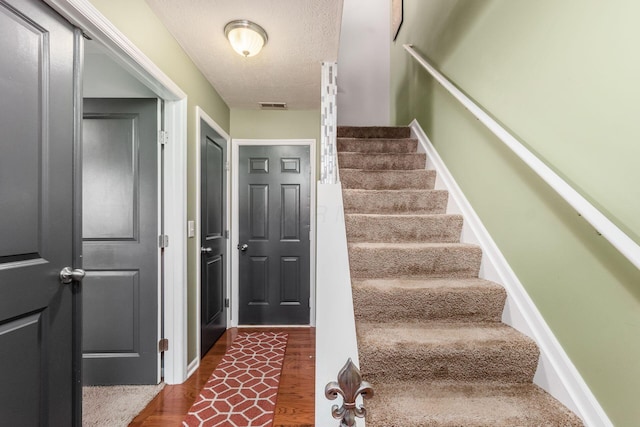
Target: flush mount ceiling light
246, 37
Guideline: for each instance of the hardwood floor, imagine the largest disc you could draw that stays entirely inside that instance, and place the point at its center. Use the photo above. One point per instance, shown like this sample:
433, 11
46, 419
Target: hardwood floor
295, 406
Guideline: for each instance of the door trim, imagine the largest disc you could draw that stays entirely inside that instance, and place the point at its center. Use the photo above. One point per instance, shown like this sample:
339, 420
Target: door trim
235, 155
201, 115
84, 15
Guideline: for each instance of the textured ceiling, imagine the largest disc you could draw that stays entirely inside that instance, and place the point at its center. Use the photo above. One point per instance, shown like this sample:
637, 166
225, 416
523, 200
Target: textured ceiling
302, 34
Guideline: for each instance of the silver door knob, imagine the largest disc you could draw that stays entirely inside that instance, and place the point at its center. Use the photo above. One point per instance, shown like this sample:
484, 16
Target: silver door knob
206, 250
68, 275
243, 247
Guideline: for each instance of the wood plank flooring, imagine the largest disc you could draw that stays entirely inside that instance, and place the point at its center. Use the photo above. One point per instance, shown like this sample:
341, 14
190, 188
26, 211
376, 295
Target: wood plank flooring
295, 406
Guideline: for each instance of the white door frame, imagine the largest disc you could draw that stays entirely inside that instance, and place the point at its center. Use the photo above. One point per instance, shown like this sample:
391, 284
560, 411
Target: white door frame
85, 16
201, 115
235, 285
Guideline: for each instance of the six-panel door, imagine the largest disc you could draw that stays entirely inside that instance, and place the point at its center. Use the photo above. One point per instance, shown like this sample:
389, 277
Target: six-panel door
274, 218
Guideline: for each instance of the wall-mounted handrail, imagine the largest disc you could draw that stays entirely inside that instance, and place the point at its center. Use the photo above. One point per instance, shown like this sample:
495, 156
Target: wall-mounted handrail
603, 225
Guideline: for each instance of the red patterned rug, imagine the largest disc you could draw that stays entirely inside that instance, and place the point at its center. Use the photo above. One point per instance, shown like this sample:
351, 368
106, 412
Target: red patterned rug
243, 388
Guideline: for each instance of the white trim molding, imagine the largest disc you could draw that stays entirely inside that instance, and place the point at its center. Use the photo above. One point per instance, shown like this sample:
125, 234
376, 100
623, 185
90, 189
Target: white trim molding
201, 115
556, 373
85, 16
235, 144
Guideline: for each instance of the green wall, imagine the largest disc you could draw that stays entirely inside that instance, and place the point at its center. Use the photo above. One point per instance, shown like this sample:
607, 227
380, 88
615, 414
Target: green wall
140, 25
271, 124
563, 77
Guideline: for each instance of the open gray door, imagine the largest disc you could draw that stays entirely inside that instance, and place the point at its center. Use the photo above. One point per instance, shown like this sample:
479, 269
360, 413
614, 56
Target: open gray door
213, 286
36, 216
120, 241
274, 253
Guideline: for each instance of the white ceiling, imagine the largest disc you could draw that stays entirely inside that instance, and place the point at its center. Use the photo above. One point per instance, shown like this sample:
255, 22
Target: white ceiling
302, 34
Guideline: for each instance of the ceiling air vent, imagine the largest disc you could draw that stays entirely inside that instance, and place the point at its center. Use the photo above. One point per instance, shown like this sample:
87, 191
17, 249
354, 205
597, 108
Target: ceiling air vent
273, 105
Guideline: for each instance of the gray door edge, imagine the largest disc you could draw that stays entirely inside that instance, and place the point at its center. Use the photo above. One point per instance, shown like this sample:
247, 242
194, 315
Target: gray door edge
235, 149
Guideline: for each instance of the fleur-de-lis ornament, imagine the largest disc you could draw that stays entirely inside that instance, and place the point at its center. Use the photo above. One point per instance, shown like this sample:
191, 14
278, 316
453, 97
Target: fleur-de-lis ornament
349, 386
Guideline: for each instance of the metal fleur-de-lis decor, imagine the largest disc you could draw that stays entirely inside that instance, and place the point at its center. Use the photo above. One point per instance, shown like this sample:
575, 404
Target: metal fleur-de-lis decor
349, 386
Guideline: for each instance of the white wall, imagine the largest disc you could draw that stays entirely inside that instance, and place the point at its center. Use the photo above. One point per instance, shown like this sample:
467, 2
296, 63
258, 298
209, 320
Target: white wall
363, 63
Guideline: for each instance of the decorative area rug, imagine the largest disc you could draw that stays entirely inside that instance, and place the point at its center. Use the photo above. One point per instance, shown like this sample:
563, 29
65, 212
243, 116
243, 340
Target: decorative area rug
243, 388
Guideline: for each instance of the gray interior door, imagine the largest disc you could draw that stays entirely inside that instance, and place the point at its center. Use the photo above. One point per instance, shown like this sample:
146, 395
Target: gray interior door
274, 209
213, 286
36, 216
120, 241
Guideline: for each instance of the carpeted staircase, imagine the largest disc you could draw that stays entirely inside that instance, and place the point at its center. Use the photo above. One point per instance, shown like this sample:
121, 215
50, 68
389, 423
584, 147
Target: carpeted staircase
430, 336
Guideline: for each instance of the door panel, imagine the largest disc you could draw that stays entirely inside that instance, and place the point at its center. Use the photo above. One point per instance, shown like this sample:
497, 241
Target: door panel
36, 211
213, 310
274, 203
120, 241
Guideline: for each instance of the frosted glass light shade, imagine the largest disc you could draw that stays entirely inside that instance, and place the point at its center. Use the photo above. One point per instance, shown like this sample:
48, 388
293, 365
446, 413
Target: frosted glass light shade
245, 37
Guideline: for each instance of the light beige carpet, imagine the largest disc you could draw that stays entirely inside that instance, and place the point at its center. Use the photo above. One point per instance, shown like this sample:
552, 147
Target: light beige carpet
115, 406
430, 337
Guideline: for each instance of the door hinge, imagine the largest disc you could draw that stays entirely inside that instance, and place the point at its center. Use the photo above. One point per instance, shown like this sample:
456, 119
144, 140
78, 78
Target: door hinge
163, 345
226, 166
163, 137
226, 302
163, 241
226, 234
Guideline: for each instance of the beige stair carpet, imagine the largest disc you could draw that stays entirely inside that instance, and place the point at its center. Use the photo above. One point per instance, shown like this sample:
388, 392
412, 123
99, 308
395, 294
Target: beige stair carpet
430, 335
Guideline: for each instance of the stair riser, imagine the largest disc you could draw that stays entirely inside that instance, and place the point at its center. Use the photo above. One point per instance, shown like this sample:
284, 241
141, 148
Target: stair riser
377, 145
459, 305
373, 132
382, 161
387, 180
494, 361
436, 229
395, 202
448, 261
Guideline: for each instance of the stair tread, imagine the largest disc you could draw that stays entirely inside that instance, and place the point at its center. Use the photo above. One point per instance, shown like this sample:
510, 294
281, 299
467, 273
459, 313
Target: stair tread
410, 245
377, 145
365, 138
387, 179
452, 300
373, 131
390, 284
380, 154
385, 161
438, 333
393, 192
470, 404
403, 217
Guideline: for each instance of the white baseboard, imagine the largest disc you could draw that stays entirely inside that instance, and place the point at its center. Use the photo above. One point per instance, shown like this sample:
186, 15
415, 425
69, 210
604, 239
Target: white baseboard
193, 366
556, 373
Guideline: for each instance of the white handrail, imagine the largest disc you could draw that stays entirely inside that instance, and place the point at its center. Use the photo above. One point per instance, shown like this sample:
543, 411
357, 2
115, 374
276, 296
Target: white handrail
623, 243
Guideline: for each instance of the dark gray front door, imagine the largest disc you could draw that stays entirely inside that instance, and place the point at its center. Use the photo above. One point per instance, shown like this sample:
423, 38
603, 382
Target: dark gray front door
213, 312
36, 216
274, 209
120, 241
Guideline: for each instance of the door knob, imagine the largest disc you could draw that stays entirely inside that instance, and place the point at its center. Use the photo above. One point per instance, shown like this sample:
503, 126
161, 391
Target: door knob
68, 275
206, 250
243, 247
